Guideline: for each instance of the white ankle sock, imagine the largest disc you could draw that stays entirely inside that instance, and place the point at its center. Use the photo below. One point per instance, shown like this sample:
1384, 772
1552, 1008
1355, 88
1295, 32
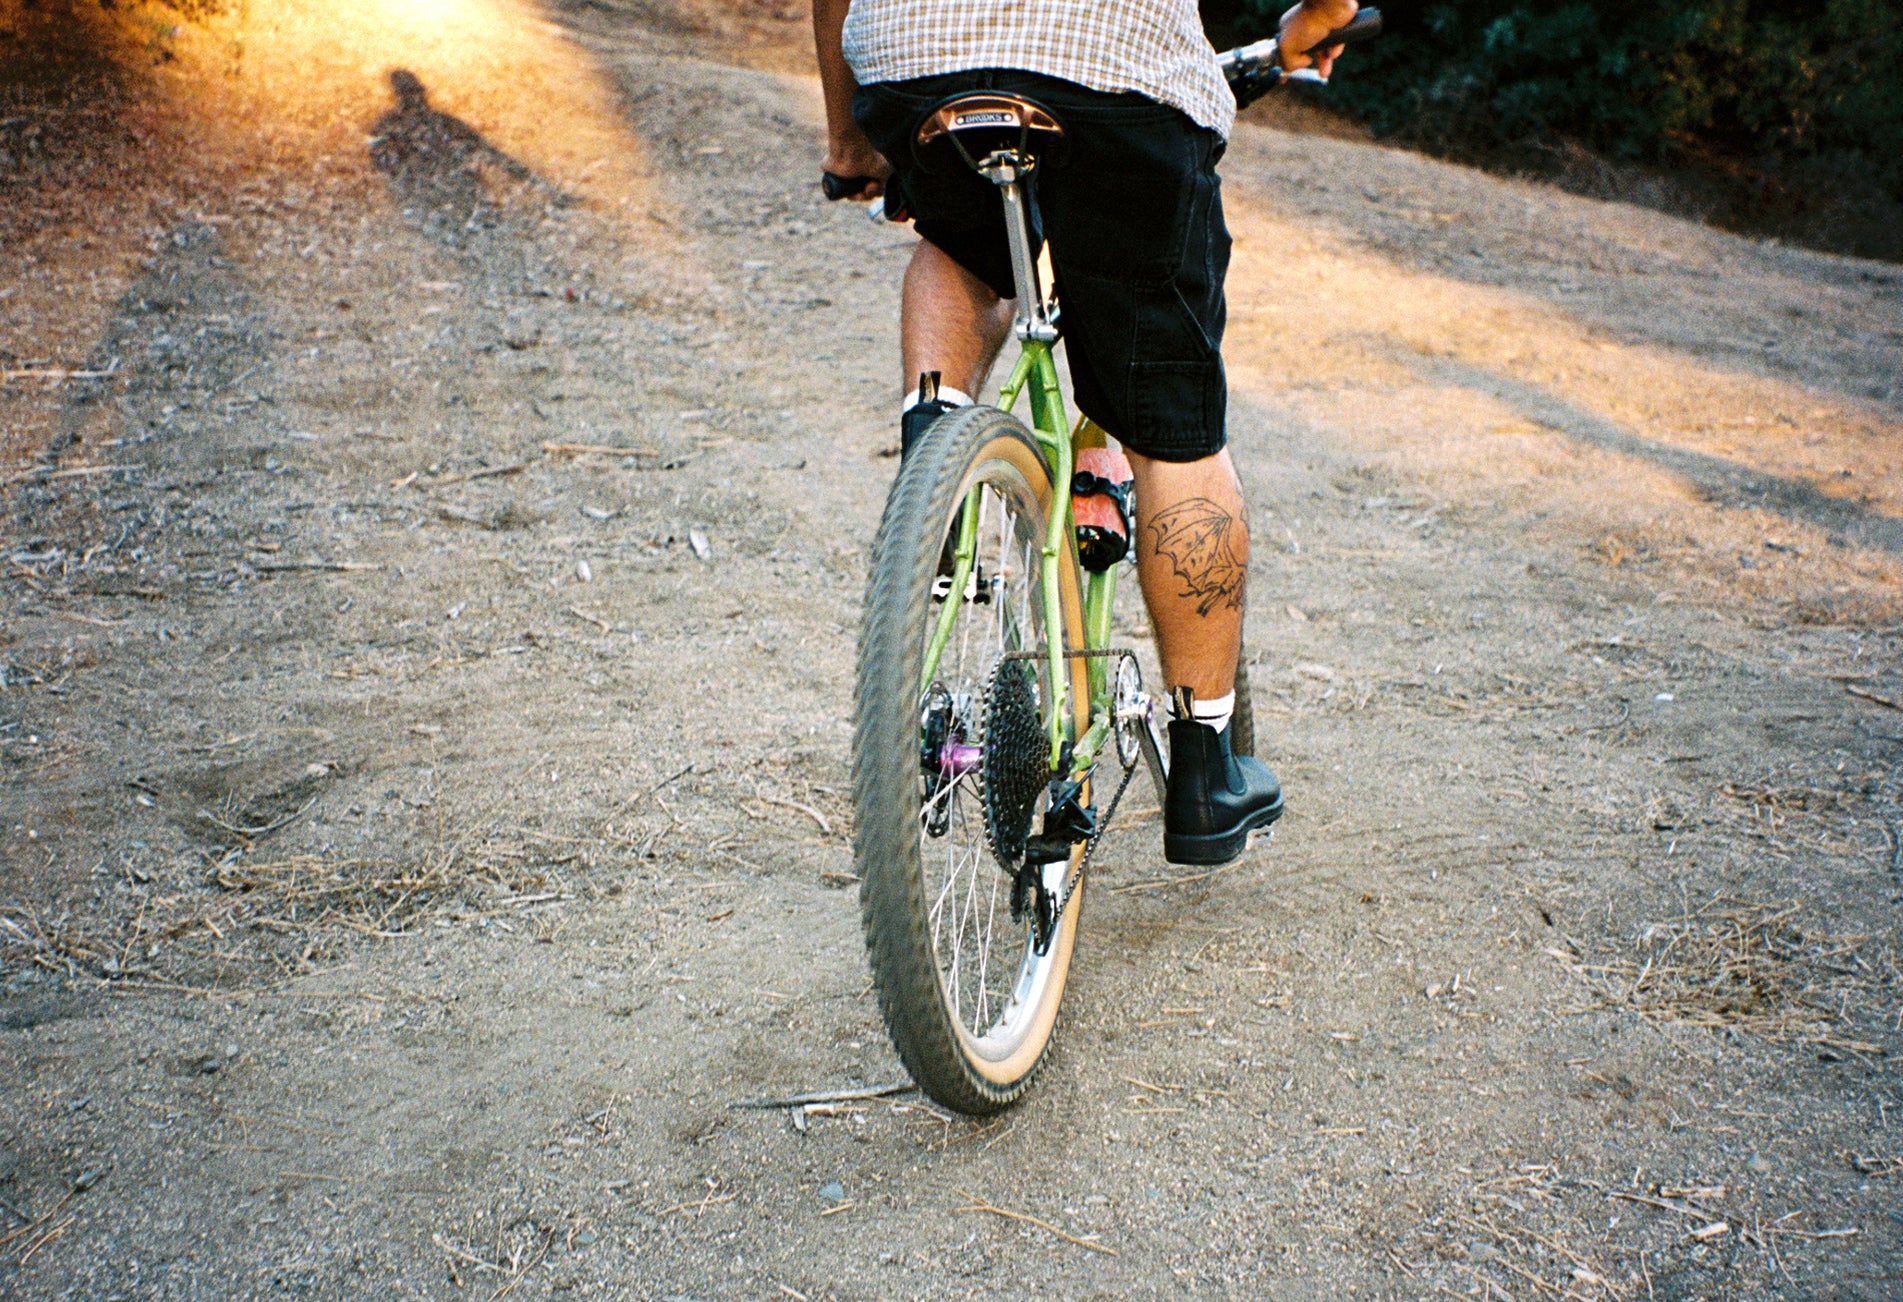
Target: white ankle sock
956, 397
1216, 712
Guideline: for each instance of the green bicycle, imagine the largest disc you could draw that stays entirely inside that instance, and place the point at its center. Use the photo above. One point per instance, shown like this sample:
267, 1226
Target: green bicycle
990, 704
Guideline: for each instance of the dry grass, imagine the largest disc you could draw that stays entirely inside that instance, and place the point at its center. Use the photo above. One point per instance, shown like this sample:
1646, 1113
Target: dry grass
308, 892
287, 913
63, 944
1782, 800
1875, 1165
1754, 968
1491, 1243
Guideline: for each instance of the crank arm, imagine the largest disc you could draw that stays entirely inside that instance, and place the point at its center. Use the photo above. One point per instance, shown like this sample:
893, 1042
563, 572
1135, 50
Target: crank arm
1150, 742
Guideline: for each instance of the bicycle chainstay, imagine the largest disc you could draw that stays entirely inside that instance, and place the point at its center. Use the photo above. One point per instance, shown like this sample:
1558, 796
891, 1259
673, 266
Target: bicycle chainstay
1046, 928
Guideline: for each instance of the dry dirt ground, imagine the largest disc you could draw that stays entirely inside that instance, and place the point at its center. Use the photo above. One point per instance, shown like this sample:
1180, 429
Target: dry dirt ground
420, 829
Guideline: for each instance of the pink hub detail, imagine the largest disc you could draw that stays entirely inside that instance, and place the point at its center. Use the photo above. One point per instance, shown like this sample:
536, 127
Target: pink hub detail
957, 760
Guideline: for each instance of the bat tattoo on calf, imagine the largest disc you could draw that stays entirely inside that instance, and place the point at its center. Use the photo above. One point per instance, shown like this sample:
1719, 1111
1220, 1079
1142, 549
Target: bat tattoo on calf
1200, 539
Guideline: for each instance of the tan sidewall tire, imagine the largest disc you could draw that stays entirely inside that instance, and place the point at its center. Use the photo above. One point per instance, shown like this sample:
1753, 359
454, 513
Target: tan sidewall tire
1063, 945
925, 1027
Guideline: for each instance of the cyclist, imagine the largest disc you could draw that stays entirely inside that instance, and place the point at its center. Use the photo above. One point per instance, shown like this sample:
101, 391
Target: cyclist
1139, 250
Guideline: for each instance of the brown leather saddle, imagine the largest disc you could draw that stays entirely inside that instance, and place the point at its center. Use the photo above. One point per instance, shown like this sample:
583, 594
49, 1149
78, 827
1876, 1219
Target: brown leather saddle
982, 125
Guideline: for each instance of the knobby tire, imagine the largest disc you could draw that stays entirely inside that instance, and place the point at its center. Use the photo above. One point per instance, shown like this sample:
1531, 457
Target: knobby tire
926, 996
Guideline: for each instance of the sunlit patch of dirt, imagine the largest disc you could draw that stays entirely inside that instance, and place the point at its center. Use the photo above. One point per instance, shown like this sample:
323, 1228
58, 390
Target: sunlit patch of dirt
1654, 449
310, 73
127, 125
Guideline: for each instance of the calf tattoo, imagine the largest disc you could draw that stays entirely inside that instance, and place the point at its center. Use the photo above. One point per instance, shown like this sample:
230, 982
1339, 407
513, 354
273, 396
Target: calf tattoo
1207, 546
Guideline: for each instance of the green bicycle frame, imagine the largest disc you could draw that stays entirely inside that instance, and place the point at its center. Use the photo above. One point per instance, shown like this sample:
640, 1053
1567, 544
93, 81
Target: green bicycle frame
1036, 370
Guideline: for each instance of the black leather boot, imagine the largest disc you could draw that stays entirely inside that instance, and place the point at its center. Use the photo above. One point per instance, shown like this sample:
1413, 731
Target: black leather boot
1216, 798
918, 419
920, 416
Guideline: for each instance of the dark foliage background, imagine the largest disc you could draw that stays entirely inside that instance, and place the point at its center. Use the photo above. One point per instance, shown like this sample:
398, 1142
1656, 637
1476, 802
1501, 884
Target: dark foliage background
1794, 110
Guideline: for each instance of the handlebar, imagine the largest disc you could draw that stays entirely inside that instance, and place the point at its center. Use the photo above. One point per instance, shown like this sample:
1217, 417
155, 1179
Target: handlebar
844, 187
1247, 59
1252, 70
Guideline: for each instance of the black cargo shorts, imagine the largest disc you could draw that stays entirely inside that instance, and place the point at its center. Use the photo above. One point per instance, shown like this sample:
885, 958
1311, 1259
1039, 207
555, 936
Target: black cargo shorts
1132, 208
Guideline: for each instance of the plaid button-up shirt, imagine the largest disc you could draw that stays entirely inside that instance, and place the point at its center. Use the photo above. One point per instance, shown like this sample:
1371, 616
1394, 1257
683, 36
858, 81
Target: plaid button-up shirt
1153, 47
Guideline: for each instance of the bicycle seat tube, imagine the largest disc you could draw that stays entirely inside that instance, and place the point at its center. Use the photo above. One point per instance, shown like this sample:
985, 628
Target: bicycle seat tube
1036, 315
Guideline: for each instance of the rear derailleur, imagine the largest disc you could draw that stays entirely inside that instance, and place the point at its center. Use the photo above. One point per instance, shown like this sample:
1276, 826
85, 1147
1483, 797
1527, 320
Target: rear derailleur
1068, 822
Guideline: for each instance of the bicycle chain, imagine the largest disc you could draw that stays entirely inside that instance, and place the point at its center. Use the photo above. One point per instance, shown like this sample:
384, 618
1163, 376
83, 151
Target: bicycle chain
1090, 846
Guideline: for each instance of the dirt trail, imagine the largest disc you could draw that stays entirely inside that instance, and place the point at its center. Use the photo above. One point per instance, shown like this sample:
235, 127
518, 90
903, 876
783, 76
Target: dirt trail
421, 828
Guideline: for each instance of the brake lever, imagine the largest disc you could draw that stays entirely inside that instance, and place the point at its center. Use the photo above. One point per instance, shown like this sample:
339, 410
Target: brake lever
1248, 61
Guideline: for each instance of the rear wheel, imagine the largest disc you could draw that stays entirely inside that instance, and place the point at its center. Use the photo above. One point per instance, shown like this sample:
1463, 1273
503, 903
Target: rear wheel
969, 999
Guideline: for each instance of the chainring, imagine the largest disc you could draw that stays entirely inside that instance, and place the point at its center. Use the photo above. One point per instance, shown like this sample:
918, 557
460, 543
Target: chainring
1016, 759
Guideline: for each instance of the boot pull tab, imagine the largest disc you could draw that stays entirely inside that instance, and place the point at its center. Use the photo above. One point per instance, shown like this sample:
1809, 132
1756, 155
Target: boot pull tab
1183, 702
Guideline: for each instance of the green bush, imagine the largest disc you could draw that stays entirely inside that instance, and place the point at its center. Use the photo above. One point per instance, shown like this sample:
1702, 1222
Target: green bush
1778, 86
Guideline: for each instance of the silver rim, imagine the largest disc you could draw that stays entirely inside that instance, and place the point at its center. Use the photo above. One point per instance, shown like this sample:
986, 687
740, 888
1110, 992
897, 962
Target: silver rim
991, 974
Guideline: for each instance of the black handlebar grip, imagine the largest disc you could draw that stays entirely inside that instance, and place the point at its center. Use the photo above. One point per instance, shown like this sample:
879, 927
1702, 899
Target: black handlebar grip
844, 187
1365, 26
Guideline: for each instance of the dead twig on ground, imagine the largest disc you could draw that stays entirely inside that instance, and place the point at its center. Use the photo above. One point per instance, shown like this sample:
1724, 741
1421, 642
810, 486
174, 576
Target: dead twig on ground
253, 833
594, 450
59, 374
638, 796
334, 567
42, 1240
1666, 1204
1886, 702
487, 472
1164, 883
34, 1231
44, 474
980, 1205
450, 1249
825, 824
699, 1206
827, 1096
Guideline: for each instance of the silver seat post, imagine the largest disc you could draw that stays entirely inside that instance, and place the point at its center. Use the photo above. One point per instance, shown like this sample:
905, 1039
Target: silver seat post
1036, 315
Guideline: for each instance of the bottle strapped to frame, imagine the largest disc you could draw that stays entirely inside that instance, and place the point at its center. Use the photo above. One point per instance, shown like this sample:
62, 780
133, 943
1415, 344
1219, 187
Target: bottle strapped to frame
1100, 504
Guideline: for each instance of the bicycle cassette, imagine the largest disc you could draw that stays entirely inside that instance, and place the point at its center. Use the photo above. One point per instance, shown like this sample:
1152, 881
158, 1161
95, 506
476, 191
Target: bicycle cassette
1016, 758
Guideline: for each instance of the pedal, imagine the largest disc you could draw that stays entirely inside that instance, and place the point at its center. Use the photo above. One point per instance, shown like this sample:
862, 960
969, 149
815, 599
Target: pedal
977, 588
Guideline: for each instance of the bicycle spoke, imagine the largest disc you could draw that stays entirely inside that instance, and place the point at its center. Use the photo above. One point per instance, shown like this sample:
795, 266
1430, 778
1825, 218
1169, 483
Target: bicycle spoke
981, 950
948, 955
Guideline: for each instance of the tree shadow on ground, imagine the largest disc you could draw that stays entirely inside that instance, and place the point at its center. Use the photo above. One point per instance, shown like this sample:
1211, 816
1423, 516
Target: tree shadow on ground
1723, 482
169, 365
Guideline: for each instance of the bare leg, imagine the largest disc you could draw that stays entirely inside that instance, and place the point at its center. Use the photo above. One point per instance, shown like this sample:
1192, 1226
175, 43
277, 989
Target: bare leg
1192, 528
1193, 562
951, 322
